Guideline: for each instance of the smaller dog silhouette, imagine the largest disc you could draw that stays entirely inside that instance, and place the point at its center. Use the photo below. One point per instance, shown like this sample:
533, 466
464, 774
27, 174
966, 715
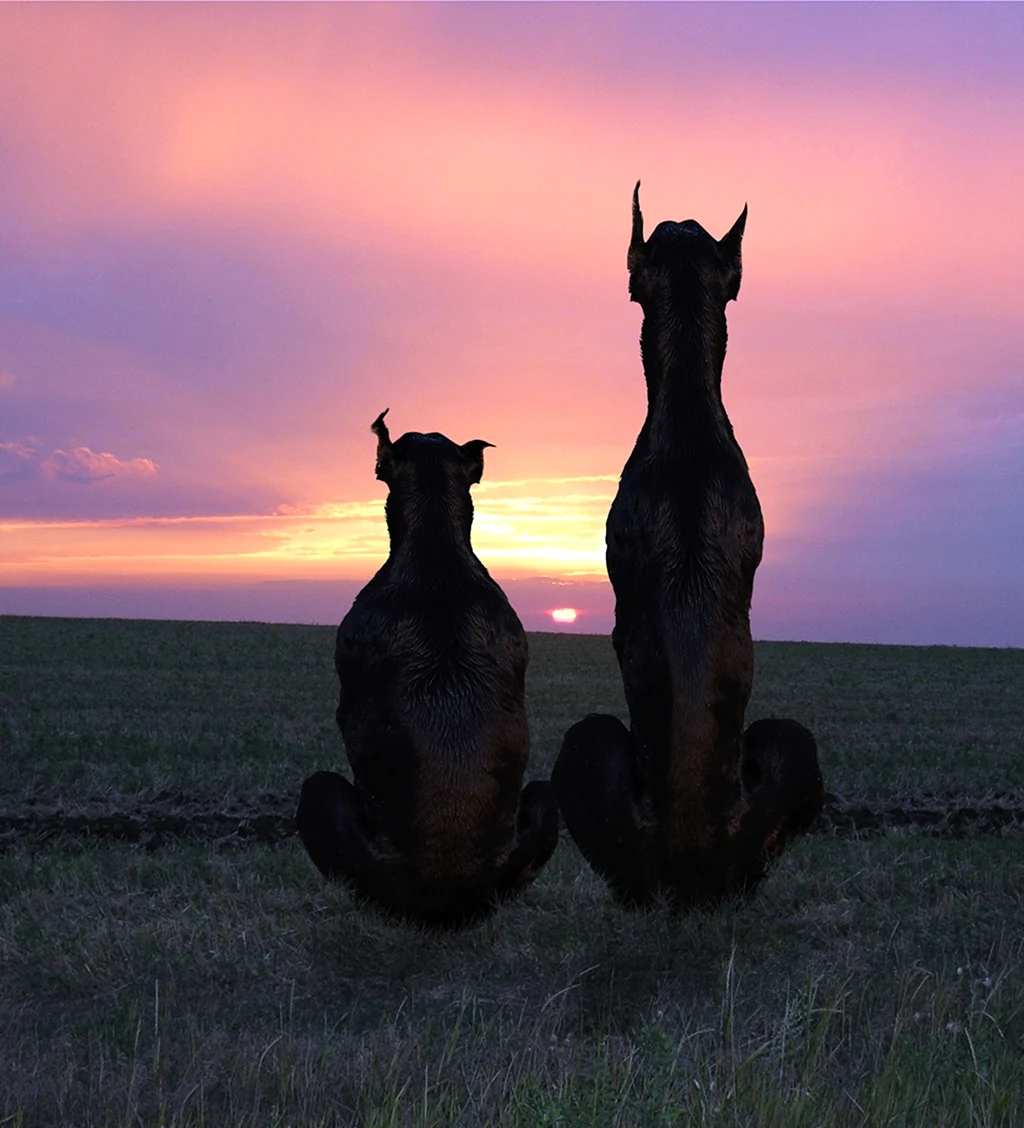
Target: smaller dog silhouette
432, 663
685, 802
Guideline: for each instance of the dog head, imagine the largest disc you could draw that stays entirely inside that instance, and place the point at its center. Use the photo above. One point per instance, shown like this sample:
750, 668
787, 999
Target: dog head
427, 463
682, 261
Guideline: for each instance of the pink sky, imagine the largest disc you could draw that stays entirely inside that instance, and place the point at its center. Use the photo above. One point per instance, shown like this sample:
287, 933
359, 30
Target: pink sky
231, 235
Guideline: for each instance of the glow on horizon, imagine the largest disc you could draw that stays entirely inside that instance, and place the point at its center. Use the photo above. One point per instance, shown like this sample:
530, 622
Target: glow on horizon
564, 614
522, 528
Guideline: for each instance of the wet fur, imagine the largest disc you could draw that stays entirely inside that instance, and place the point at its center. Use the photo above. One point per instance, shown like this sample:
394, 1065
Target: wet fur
684, 803
431, 661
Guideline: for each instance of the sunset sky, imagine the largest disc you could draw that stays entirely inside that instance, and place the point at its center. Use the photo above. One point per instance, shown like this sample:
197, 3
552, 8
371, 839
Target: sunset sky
231, 235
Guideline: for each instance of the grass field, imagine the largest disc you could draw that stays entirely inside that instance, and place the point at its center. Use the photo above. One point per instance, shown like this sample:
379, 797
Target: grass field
195, 974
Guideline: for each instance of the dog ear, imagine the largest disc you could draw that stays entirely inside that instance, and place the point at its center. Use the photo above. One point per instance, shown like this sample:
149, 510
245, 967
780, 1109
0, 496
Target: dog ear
729, 250
473, 452
635, 254
380, 429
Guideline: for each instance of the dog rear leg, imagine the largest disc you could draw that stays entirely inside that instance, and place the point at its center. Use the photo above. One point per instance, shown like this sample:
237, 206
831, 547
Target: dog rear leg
596, 784
783, 785
334, 828
535, 841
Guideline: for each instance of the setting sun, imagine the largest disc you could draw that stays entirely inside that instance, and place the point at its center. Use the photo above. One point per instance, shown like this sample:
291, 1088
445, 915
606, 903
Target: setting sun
564, 614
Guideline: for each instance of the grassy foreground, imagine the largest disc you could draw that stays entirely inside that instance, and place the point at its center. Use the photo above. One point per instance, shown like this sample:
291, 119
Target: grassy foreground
871, 982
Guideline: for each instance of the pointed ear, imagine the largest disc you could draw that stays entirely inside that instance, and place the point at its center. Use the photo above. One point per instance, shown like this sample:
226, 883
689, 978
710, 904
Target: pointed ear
732, 260
635, 254
473, 452
380, 429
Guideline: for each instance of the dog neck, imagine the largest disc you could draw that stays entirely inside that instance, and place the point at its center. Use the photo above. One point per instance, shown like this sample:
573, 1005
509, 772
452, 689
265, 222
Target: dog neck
429, 528
683, 351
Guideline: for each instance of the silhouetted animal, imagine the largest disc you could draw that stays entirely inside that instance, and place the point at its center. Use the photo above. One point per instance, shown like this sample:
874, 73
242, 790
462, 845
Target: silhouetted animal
685, 803
432, 662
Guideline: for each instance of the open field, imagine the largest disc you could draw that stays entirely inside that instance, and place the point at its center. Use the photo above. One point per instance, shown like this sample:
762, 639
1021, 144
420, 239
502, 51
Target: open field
169, 956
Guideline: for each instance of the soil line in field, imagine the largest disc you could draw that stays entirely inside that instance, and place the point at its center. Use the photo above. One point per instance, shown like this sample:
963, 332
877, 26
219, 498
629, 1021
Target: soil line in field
270, 820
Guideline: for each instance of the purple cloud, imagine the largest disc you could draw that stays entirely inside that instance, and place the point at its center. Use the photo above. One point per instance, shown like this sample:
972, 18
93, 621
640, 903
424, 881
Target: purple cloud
18, 461
80, 464
28, 461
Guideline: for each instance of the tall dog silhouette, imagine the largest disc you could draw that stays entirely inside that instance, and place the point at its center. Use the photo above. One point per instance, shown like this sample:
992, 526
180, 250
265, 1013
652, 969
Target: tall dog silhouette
685, 802
432, 663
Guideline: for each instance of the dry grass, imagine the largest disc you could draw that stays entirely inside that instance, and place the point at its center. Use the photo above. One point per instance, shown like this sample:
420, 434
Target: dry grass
189, 986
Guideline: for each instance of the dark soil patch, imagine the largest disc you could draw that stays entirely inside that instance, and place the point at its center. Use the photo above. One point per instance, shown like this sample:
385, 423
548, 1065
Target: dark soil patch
167, 819
936, 818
